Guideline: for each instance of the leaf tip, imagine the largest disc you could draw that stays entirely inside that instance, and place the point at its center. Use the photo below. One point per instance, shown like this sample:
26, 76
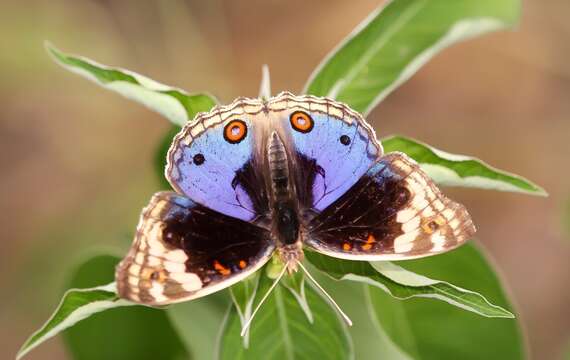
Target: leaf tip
540, 191
533, 189
50, 48
22, 352
48, 45
505, 314
28, 346
55, 54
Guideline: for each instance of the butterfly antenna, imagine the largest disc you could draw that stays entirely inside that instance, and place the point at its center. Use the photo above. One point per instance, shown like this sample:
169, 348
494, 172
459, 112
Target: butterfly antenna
344, 316
248, 323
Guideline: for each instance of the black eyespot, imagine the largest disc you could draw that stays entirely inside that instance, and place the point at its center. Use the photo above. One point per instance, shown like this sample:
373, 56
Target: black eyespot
345, 140
154, 275
401, 196
199, 159
433, 225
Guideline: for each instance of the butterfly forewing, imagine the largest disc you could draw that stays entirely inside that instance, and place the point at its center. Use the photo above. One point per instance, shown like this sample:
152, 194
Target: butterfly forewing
332, 146
214, 161
183, 250
393, 212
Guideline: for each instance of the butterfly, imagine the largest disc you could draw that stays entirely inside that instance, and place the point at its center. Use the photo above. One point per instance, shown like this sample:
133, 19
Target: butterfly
271, 176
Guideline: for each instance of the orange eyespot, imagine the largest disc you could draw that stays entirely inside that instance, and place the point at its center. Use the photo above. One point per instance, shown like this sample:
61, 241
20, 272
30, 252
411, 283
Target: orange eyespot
235, 131
301, 121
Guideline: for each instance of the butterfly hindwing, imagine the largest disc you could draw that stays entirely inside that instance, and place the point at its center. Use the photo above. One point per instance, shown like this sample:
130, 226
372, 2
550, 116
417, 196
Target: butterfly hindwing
183, 250
213, 161
394, 211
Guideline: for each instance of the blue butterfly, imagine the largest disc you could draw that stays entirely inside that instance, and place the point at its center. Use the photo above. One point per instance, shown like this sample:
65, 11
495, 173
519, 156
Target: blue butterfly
261, 176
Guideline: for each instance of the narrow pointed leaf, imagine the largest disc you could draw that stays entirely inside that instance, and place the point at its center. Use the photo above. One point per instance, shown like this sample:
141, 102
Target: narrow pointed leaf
76, 305
281, 330
175, 104
441, 290
243, 294
394, 42
295, 283
459, 170
403, 284
243, 297
123, 331
434, 330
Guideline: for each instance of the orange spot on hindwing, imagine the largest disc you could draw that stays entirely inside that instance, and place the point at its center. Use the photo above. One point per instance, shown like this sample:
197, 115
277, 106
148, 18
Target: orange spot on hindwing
346, 246
242, 264
368, 245
221, 268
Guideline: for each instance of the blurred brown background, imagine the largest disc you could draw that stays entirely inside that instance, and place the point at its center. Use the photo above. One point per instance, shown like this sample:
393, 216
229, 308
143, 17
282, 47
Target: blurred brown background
76, 161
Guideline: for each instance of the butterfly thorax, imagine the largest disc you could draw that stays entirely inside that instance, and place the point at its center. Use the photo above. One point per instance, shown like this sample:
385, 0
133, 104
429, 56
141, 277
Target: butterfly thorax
285, 227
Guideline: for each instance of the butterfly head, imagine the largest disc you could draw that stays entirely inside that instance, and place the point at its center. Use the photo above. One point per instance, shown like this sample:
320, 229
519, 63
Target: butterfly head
291, 255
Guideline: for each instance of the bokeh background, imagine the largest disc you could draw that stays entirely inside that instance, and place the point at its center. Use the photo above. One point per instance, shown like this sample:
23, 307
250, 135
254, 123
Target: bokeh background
76, 161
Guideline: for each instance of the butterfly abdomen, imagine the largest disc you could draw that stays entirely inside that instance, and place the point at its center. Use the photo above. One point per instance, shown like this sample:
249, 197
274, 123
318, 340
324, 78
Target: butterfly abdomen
285, 217
278, 168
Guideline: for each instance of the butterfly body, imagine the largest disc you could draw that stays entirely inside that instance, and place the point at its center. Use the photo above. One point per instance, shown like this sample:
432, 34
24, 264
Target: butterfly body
285, 212
279, 175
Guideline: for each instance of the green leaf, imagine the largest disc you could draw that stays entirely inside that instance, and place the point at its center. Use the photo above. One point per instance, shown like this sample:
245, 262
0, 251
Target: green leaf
370, 340
132, 331
433, 330
281, 329
402, 284
198, 323
245, 293
243, 296
161, 153
76, 305
295, 283
174, 104
393, 43
459, 170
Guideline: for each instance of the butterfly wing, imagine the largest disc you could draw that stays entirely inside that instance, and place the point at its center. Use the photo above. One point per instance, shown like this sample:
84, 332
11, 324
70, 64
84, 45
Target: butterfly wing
183, 250
331, 144
393, 212
214, 160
